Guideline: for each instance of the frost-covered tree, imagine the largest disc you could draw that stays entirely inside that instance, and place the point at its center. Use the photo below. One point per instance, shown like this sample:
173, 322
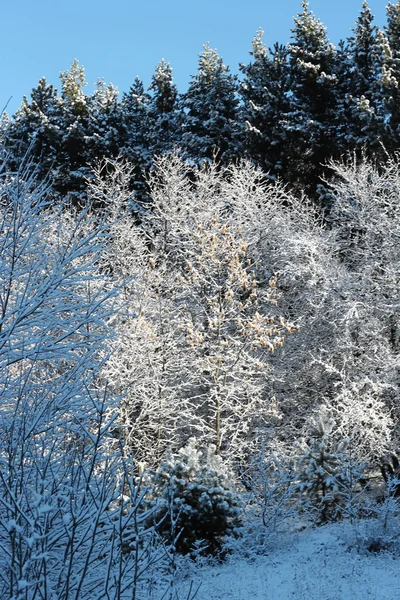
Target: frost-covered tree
310, 130
266, 92
165, 119
210, 128
69, 506
105, 123
135, 119
207, 324
35, 128
73, 157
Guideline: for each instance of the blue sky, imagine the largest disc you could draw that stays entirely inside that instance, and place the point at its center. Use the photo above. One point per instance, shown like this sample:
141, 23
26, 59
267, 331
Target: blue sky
121, 39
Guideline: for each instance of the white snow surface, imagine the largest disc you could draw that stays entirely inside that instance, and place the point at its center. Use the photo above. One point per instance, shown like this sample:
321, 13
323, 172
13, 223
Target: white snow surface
313, 564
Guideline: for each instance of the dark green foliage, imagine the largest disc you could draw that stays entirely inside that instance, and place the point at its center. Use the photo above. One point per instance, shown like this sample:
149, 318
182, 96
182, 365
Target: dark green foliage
196, 507
310, 122
135, 123
364, 119
164, 116
299, 106
34, 129
266, 103
210, 128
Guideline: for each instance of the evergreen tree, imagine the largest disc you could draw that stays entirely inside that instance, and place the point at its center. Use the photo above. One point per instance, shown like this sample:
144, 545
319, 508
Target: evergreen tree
135, 128
105, 122
35, 129
343, 70
392, 87
74, 156
265, 92
363, 118
194, 498
310, 126
320, 471
211, 106
165, 120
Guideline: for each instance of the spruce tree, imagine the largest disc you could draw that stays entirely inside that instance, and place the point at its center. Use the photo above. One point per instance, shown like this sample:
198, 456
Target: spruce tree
365, 126
105, 122
74, 156
165, 119
265, 92
135, 128
392, 88
320, 477
211, 103
34, 129
310, 125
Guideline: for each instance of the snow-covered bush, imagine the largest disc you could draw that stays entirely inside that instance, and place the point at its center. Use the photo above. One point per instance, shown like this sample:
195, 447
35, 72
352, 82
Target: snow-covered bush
270, 479
195, 504
67, 494
324, 472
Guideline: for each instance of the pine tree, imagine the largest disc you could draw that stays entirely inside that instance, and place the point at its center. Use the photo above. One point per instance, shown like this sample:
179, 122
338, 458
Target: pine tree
265, 92
365, 126
320, 476
165, 120
194, 502
105, 122
35, 129
135, 127
74, 156
310, 126
392, 87
211, 106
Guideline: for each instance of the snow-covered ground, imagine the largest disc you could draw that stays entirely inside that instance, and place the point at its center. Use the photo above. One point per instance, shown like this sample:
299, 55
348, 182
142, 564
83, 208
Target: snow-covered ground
313, 564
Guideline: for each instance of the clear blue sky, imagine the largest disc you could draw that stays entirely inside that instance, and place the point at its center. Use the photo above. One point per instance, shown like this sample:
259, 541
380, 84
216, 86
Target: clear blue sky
120, 39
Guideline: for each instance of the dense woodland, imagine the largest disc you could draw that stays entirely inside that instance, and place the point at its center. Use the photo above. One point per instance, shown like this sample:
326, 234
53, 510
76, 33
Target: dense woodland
293, 108
199, 313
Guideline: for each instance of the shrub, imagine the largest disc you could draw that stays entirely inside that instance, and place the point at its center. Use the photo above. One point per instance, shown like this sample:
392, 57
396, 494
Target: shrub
195, 506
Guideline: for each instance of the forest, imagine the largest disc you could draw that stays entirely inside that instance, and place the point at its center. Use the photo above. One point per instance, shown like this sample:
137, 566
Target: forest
200, 315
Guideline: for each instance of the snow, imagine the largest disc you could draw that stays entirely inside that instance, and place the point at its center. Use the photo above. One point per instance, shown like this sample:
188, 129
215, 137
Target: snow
314, 564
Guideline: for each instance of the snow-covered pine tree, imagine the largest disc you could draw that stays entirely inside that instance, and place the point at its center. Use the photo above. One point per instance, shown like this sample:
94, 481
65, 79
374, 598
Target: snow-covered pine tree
392, 87
165, 119
135, 124
320, 477
310, 124
105, 122
365, 123
73, 156
265, 92
35, 127
210, 127
194, 501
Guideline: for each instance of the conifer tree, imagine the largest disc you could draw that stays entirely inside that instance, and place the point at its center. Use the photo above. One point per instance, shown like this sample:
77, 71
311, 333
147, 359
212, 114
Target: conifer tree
320, 476
392, 88
165, 120
135, 126
365, 126
265, 92
105, 122
211, 103
310, 124
35, 129
73, 157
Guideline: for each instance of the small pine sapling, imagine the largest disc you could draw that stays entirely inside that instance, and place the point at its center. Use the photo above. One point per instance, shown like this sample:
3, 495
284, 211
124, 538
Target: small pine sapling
195, 506
320, 478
